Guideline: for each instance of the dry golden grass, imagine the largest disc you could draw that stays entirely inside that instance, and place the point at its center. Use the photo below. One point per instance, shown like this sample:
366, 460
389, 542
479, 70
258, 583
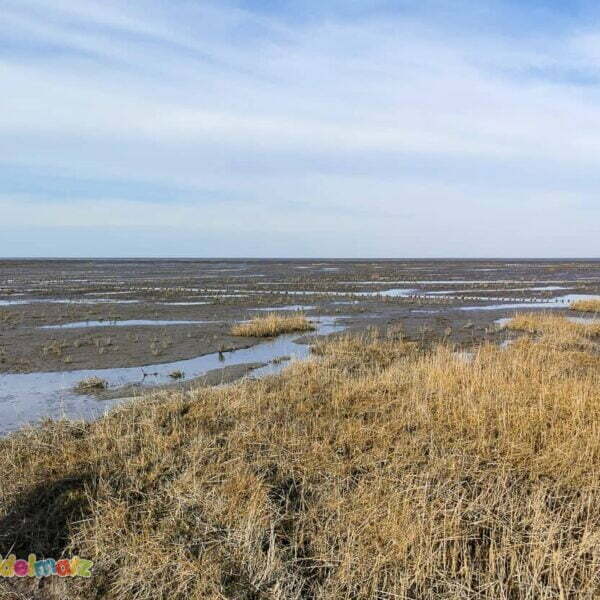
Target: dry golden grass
557, 330
375, 471
272, 324
586, 306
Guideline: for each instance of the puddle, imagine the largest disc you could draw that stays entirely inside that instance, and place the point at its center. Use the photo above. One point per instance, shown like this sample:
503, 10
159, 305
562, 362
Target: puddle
113, 293
229, 296
129, 323
513, 305
394, 292
96, 301
391, 292
447, 292
289, 307
27, 398
183, 303
14, 302
67, 301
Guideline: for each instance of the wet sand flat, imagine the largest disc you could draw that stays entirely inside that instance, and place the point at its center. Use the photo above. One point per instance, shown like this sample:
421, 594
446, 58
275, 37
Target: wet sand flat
140, 319
195, 302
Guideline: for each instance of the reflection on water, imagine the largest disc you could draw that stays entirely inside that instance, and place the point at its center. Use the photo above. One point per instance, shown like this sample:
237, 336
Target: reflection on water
66, 301
29, 397
513, 305
391, 292
128, 323
289, 307
183, 303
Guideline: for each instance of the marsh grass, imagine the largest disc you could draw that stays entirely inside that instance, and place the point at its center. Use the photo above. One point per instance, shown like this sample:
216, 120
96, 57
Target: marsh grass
592, 306
556, 329
272, 324
91, 384
374, 470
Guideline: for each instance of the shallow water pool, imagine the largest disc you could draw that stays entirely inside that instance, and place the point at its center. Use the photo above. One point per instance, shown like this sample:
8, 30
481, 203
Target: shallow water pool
126, 323
27, 398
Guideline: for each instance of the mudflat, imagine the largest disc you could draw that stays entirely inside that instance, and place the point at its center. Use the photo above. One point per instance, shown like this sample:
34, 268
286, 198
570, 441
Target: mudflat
63, 315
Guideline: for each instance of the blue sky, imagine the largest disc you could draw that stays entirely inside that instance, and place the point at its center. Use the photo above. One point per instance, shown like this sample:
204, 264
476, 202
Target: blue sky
263, 128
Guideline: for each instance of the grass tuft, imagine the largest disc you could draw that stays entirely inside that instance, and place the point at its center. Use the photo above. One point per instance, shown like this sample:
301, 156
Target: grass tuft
555, 328
91, 384
272, 324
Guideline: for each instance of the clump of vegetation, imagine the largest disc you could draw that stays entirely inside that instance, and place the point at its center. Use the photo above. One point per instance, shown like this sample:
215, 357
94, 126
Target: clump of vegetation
380, 470
177, 374
554, 327
272, 324
280, 359
91, 384
586, 306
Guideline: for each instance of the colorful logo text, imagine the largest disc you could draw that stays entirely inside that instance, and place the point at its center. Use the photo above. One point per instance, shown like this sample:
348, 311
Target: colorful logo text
66, 567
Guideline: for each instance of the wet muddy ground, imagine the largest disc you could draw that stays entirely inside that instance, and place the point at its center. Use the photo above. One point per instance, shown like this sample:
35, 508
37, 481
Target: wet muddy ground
69, 316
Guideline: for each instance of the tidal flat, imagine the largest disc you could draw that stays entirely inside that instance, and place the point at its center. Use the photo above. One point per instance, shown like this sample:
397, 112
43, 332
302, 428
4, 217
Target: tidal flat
132, 322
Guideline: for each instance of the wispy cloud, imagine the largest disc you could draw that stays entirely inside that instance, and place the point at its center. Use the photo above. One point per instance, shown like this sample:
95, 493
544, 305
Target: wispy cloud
423, 128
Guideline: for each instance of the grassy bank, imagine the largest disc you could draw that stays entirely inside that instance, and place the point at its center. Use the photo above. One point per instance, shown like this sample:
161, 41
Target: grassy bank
555, 327
377, 471
271, 325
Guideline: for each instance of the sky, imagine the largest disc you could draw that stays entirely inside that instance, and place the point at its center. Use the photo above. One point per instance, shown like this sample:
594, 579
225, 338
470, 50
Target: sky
319, 128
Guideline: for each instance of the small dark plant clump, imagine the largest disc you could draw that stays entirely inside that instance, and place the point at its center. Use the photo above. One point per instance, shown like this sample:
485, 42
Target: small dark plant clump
91, 384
